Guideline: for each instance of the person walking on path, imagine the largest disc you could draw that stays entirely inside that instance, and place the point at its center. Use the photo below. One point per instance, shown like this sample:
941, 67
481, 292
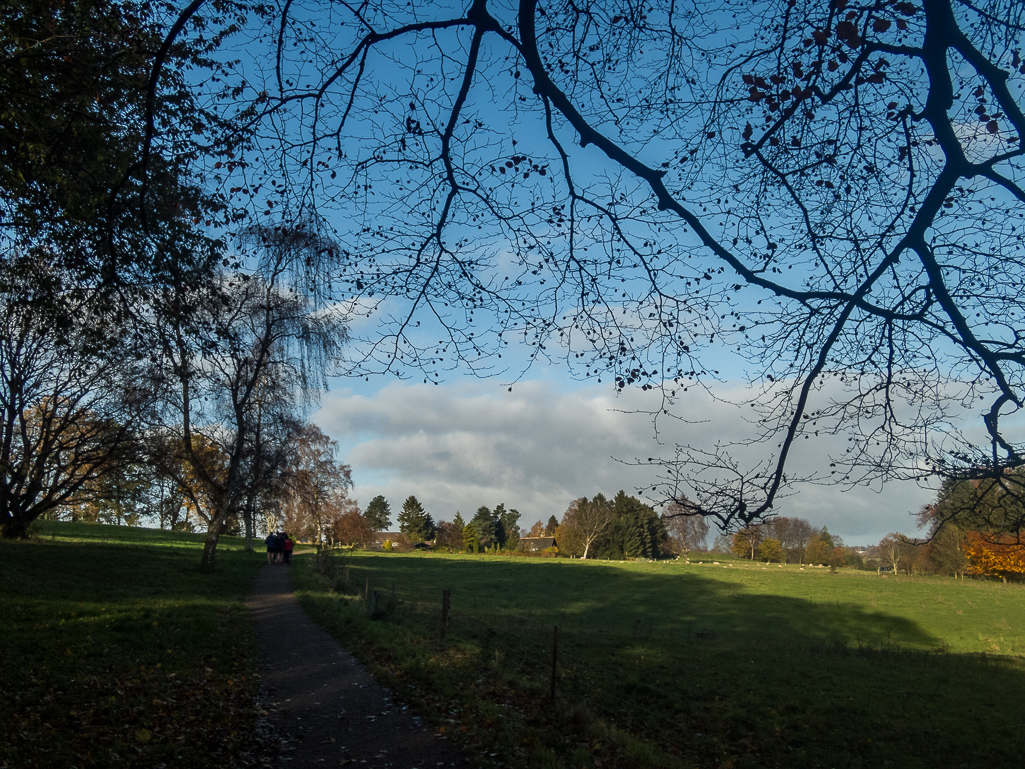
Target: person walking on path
337, 711
270, 541
289, 546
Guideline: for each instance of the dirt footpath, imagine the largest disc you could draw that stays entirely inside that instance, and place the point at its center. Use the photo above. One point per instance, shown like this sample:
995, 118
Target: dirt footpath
328, 709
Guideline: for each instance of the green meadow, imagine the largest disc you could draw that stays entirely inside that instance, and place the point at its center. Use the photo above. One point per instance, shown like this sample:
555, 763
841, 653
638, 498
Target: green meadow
675, 664
116, 651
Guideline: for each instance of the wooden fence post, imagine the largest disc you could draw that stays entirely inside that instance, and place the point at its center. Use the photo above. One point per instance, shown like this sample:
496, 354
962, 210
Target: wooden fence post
555, 656
445, 594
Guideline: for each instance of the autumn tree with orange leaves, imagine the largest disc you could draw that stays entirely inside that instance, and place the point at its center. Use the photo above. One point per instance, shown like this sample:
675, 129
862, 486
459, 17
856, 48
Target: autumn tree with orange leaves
979, 520
995, 554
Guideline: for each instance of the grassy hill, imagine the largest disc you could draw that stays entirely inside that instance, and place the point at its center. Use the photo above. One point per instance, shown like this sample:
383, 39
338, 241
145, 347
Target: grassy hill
674, 664
118, 652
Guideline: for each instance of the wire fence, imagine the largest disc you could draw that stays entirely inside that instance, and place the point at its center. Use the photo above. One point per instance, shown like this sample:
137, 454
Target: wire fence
558, 653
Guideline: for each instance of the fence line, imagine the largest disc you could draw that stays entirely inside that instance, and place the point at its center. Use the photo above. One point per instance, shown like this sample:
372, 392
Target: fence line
457, 617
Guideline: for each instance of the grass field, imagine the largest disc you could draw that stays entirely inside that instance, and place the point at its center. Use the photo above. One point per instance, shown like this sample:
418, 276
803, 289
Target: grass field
116, 651
674, 664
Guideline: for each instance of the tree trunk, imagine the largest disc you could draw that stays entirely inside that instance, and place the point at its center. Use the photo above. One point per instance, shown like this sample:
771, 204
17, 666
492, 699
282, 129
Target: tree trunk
247, 516
209, 561
14, 527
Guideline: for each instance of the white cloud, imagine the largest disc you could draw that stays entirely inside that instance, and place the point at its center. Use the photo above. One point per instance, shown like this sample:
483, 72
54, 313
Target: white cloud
471, 443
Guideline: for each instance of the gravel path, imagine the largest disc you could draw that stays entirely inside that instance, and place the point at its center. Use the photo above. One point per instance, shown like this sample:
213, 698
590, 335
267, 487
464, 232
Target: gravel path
329, 710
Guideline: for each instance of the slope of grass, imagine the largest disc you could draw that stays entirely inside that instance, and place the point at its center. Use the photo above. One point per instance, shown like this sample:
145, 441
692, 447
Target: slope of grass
670, 664
118, 652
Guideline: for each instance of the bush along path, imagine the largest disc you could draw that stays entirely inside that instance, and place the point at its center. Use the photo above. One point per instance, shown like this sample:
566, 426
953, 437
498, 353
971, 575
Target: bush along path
327, 709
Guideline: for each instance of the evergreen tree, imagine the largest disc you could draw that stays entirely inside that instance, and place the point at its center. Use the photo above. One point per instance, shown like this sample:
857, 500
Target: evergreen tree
485, 525
378, 514
637, 531
988, 505
471, 544
551, 526
415, 522
508, 523
459, 523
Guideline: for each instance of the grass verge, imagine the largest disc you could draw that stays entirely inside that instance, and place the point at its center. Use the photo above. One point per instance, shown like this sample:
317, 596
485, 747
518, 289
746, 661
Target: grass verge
674, 665
118, 652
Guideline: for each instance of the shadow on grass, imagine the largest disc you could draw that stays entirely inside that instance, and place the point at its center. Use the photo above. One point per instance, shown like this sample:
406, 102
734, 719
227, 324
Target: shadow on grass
119, 652
609, 602
711, 671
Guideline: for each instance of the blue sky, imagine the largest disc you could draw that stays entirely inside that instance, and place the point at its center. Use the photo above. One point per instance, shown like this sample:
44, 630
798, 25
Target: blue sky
469, 440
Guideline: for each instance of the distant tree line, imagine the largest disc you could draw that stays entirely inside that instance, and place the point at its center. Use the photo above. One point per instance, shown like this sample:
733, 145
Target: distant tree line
974, 527
967, 533
489, 530
787, 540
623, 527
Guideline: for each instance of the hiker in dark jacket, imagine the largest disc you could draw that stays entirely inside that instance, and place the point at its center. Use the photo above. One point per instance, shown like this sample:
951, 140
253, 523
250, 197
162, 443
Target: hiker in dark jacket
271, 541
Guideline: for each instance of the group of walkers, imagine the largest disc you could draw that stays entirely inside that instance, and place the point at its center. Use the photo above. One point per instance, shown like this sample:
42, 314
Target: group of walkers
279, 547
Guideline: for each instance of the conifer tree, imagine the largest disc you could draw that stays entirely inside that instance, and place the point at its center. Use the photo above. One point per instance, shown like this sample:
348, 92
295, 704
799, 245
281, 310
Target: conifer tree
415, 522
484, 523
471, 544
378, 514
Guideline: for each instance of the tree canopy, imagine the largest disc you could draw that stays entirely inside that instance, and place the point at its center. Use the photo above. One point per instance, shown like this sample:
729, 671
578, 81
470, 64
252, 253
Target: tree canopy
378, 514
415, 522
110, 209
831, 191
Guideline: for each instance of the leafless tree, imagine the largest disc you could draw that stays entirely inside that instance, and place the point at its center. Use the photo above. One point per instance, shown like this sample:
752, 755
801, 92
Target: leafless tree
689, 532
793, 535
831, 190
